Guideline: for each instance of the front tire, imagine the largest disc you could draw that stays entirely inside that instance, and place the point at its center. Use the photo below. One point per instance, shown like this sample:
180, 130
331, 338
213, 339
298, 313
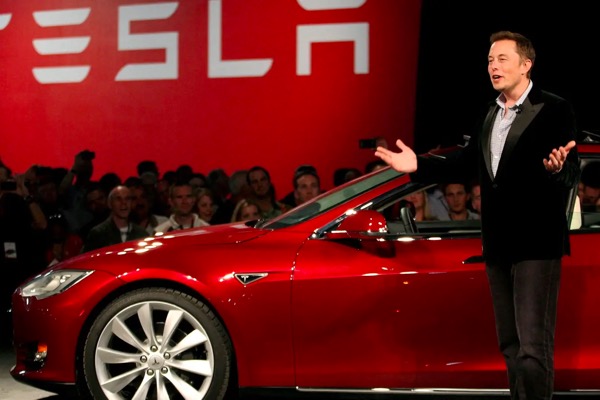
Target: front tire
157, 343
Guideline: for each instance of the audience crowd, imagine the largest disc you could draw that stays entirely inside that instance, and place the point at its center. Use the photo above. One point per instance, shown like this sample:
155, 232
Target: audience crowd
50, 214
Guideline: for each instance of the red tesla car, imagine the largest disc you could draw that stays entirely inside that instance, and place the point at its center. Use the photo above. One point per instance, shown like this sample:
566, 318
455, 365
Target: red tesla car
346, 294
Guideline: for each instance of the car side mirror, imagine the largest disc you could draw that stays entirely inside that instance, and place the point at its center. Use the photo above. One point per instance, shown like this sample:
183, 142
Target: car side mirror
361, 225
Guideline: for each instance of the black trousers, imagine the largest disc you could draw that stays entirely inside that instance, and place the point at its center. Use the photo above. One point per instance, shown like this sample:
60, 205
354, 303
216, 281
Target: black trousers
524, 296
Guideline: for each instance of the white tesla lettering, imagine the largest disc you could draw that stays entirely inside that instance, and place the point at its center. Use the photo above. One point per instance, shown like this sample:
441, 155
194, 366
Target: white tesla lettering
66, 17
357, 33
4, 20
217, 67
67, 45
353, 32
147, 41
330, 4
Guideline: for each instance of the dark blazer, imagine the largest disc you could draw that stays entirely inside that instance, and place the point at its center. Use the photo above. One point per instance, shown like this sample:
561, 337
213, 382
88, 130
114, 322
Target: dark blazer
523, 209
107, 233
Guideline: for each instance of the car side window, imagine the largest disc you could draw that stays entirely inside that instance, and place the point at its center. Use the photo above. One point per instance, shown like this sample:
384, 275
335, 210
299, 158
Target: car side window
585, 214
416, 202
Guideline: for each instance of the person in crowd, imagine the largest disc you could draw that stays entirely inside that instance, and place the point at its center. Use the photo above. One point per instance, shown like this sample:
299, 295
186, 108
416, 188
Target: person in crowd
437, 203
205, 205
420, 206
61, 244
475, 196
96, 203
238, 189
525, 158
47, 191
143, 197
118, 227
161, 205
306, 185
457, 198
198, 181
218, 183
184, 173
148, 166
182, 202
22, 224
73, 189
589, 187
374, 165
245, 210
343, 175
262, 192
109, 181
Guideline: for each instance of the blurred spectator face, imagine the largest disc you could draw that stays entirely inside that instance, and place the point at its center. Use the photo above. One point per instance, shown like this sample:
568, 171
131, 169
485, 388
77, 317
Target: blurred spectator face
140, 204
162, 190
307, 187
456, 197
96, 201
48, 193
589, 195
476, 198
249, 212
417, 199
182, 200
205, 207
197, 182
259, 183
120, 202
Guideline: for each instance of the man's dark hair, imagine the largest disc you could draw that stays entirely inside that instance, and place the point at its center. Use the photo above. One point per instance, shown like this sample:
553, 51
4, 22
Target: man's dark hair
590, 175
524, 45
147, 166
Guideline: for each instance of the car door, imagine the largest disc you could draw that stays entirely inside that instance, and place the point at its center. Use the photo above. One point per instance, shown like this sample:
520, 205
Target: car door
395, 310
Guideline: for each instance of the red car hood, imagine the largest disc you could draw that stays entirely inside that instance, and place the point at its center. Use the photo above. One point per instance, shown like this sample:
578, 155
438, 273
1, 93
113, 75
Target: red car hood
171, 242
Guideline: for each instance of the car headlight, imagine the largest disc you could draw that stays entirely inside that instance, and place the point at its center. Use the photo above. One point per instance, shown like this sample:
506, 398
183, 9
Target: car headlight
53, 282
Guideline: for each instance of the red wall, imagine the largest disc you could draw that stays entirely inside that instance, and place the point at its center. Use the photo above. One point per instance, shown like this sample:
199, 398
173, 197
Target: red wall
290, 111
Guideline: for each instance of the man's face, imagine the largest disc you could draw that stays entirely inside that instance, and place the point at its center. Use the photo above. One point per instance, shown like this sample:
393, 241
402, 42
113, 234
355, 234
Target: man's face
96, 201
259, 183
505, 67
140, 204
589, 195
307, 187
120, 203
182, 200
456, 197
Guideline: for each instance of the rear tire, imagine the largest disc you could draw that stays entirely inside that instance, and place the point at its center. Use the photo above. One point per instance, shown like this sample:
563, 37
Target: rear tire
157, 343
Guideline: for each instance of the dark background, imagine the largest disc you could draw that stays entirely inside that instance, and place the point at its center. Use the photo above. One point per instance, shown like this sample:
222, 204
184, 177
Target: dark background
453, 86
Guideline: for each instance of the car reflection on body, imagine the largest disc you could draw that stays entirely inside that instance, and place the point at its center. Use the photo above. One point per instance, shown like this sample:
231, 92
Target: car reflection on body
344, 294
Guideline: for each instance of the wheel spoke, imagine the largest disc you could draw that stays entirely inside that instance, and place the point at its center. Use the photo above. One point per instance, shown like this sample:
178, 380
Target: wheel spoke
117, 383
145, 316
198, 367
142, 391
171, 323
110, 356
192, 339
185, 389
161, 388
122, 331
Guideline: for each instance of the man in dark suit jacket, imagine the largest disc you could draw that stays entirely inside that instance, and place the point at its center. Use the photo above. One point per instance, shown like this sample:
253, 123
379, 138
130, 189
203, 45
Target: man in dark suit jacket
526, 162
117, 228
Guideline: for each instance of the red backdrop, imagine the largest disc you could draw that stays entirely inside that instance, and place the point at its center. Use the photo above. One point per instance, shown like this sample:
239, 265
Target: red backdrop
209, 83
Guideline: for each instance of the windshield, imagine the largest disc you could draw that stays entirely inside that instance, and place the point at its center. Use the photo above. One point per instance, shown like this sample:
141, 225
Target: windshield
330, 199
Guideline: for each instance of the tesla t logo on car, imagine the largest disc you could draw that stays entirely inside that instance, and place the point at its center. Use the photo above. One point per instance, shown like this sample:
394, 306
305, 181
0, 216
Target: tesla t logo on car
249, 278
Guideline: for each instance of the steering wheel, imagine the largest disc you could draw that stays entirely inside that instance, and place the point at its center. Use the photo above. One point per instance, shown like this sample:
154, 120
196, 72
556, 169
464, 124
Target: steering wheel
408, 220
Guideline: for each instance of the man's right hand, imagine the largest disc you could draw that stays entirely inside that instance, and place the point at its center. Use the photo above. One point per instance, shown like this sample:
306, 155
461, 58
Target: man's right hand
403, 161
